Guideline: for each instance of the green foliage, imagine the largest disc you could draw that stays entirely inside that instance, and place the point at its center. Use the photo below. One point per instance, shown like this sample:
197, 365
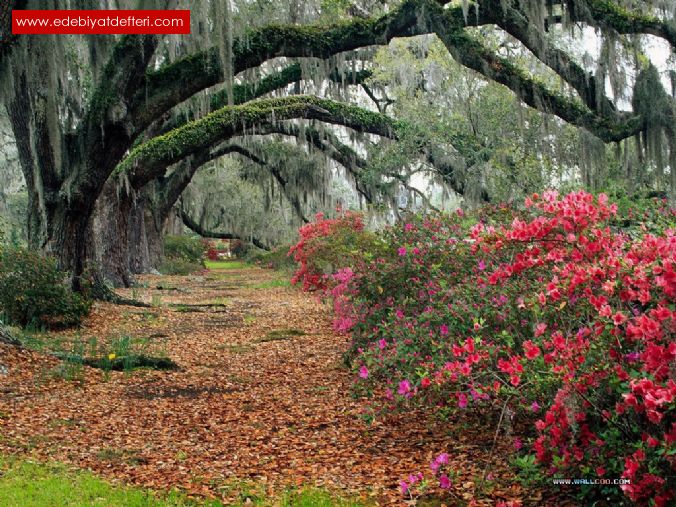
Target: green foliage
185, 247
183, 255
637, 215
34, 292
277, 259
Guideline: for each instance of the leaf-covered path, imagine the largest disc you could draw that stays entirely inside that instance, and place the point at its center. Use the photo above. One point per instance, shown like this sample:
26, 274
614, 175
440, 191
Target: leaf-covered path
261, 397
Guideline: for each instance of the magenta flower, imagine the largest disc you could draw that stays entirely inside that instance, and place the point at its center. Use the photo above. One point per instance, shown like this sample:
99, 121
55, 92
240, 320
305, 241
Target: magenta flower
535, 406
382, 343
404, 387
482, 265
364, 372
444, 482
462, 400
442, 459
404, 487
444, 329
517, 443
402, 251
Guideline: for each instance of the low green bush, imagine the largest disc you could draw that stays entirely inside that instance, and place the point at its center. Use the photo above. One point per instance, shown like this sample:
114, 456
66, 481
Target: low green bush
174, 266
34, 292
277, 259
183, 255
188, 248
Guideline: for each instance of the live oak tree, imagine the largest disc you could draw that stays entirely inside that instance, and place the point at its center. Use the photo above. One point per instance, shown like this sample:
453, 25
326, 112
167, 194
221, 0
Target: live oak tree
100, 120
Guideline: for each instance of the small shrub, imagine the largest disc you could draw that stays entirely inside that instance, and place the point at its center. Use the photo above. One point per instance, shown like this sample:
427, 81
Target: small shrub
180, 267
186, 248
277, 259
327, 245
240, 249
33, 292
183, 255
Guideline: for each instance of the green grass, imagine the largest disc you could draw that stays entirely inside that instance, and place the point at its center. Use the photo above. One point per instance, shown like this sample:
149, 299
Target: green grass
280, 334
225, 264
316, 498
26, 483
29, 484
272, 284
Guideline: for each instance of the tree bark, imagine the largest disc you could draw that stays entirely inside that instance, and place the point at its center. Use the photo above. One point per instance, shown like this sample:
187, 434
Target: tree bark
113, 229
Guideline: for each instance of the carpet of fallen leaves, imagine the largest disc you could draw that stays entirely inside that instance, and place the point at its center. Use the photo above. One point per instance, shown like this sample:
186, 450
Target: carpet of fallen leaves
244, 406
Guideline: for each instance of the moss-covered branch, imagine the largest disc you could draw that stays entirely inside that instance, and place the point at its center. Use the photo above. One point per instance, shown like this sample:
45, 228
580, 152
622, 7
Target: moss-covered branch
471, 53
607, 14
151, 159
105, 133
293, 73
515, 22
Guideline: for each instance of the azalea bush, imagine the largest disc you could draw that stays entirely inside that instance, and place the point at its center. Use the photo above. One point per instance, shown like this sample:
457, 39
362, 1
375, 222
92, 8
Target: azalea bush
327, 245
560, 315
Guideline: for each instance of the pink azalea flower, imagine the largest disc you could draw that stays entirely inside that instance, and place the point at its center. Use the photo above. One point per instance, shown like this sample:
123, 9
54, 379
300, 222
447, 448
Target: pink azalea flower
619, 318
404, 487
535, 407
444, 482
442, 459
444, 329
404, 387
462, 400
364, 372
402, 251
517, 443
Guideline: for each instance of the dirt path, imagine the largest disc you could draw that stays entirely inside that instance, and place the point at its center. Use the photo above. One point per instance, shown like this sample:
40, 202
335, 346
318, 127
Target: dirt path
248, 404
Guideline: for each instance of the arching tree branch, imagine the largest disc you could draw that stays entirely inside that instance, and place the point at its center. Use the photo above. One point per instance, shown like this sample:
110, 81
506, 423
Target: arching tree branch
152, 158
191, 224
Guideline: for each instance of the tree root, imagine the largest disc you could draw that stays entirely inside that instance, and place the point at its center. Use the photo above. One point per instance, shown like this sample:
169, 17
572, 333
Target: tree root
101, 292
